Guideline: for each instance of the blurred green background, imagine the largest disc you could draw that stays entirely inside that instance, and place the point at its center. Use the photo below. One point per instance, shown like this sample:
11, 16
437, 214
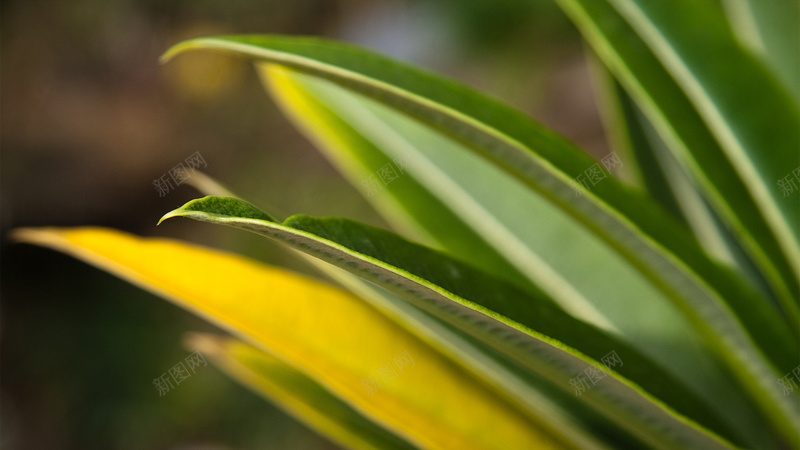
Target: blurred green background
88, 119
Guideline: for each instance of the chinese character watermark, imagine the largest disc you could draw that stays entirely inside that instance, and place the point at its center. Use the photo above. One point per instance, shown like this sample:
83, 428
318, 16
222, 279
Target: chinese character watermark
595, 174
385, 175
388, 372
787, 383
179, 373
790, 183
178, 174
594, 373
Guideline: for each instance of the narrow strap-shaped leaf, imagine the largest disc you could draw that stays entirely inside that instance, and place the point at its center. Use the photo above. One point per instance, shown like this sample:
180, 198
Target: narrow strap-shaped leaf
526, 387
667, 182
523, 386
731, 315
765, 237
772, 29
739, 177
565, 413
627, 135
751, 114
671, 185
421, 214
658, 172
295, 392
369, 141
347, 346
533, 331
437, 191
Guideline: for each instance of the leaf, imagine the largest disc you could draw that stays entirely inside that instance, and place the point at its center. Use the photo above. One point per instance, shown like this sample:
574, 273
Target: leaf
436, 189
531, 330
752, 116
749, 113
521, 386
410, 205
295, 392
328, 334
627, 134
738, 138
748, 334
444, 189
670, 185
771, 28
747, 110
660, 174
518, 385
734, 173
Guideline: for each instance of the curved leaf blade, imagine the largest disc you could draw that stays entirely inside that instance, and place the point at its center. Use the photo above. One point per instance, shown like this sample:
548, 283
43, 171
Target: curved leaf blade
749, 335
662, 177
519, 386
409, 206
295, 392
330, 335
553, 252
522, 386
750, 203
752, 116
771, 28
434, 190
531, 330
627, 133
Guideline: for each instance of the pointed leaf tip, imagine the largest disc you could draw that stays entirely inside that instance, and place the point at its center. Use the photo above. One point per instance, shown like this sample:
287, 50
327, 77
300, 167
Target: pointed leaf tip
180, 47
211, 206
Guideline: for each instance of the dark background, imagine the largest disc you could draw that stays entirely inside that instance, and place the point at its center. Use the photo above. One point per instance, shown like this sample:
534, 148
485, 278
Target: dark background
88, 119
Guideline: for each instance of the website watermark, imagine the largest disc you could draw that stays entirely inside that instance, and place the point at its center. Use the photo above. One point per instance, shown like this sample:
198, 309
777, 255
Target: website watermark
385, 175
178, 174
595, 174
179, 373
787, 383
594, 373
790, 183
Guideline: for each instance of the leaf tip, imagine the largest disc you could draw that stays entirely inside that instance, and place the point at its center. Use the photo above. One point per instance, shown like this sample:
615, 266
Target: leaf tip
174, 213
171, 52
186, 209
35, 236
180, 47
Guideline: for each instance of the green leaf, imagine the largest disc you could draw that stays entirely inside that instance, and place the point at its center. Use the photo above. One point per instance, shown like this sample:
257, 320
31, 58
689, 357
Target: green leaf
666, 181
738, 173
662, 177
748, 334
494, 229
748, 112
328, 334
531, 330
627, 135
724, 116
516, 384
771, 28
409, 204
567, 413
444, 189
295, 392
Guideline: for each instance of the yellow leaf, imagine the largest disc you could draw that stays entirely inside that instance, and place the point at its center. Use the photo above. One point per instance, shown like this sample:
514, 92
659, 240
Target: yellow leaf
295, 393
347, 346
